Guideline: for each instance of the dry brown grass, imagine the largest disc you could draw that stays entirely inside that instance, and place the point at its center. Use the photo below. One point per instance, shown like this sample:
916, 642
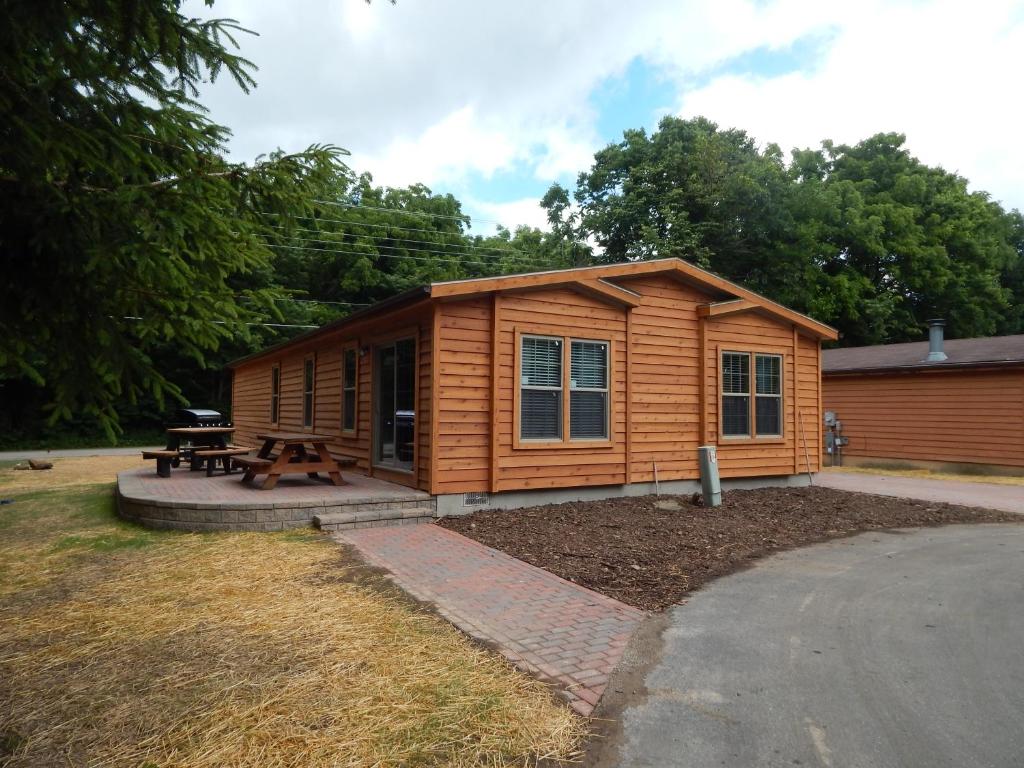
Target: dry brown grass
238, 650
68, 472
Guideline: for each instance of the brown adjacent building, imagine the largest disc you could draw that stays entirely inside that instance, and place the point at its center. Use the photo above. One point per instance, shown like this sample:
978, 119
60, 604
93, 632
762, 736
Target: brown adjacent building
931, 403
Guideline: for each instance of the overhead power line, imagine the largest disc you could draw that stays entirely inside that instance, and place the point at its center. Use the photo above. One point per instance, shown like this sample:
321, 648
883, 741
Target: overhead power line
465, 218
237, 322
397, 256
402, 239
457, 254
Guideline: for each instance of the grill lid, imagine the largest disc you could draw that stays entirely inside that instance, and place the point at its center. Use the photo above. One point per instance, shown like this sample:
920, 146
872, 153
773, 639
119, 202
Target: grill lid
198, 413
198, 417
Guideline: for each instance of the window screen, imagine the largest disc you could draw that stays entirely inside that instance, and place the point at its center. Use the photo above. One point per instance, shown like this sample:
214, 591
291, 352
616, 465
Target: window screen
348, 391
588, 398
275, 393
768, 395
540, 401
542, 362
307, 394
735, 394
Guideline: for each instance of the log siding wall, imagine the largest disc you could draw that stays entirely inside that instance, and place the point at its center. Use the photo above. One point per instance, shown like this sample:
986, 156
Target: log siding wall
660, 397
251, 392
965, 416
663, 388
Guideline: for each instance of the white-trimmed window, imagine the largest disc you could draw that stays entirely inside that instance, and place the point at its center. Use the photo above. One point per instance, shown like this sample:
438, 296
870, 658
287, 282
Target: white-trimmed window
768, 395
275, 393
751, 405
349, 371
735, 394
540, 396
588, 390
308, 388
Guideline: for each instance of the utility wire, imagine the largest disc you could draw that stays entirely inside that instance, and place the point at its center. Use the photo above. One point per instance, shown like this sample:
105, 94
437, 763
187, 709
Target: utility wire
445, 257
238, 322
397, 256
245, 296
401, 239
464, 218
456, 254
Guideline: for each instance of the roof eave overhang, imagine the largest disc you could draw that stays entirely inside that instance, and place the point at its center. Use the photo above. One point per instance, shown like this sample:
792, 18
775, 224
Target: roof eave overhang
401, 300
917, 368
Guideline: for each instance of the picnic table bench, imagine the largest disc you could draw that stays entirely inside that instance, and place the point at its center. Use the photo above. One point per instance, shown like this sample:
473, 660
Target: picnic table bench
164, 459
293, 458
198, 446
210, 456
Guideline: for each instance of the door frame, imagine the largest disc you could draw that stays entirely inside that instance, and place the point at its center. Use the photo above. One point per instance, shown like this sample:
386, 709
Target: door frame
408, 477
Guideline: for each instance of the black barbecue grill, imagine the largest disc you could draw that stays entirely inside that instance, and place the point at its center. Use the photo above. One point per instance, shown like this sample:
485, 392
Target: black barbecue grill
198, 417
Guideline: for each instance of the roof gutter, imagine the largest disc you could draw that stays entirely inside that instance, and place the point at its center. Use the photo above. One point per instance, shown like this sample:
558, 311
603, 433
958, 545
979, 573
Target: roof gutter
924, 367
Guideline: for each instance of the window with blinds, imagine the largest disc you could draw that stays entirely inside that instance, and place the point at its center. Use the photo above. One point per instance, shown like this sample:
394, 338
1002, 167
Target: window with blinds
588, 396
307, 392
540, 397
735, 394
739, 398
348, 390
768, 395
275, 394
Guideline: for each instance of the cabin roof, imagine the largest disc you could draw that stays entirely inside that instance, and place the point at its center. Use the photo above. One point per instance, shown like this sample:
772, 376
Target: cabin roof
960, 353
606, 274
597, 281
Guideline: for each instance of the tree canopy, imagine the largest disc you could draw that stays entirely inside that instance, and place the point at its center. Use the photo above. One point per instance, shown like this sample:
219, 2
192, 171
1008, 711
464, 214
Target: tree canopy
864, 237
122, 221
140, 259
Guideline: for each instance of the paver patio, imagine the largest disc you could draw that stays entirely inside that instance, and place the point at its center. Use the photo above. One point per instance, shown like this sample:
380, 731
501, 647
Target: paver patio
549, 627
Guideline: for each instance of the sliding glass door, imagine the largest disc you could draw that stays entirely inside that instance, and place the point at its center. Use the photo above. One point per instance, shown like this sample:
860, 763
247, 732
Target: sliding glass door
395, 412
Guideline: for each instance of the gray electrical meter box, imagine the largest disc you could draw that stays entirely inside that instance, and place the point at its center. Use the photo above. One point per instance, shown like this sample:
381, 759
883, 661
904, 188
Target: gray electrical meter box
710, 485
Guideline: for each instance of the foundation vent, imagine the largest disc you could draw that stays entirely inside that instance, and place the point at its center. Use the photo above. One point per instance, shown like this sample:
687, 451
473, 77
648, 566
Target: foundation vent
477, 499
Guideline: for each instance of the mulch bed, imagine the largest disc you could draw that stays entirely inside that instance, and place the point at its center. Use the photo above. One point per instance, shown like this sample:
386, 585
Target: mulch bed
650, 551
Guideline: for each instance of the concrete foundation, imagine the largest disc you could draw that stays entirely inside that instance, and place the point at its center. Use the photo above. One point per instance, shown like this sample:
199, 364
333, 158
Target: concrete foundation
452, 504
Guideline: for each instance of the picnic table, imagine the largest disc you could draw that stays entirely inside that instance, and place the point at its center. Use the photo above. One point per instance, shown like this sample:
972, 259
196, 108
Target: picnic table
197, 446
197, 439
301, 453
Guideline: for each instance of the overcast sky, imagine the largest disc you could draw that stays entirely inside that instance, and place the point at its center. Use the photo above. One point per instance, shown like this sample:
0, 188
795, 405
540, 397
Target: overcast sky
495, 101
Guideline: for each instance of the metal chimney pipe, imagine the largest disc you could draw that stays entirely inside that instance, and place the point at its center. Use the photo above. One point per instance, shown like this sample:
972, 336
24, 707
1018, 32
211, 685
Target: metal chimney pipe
936, 337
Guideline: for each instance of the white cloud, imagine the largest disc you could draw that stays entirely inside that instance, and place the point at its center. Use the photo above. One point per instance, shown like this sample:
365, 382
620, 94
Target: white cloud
525, 212
938, 72
448, 91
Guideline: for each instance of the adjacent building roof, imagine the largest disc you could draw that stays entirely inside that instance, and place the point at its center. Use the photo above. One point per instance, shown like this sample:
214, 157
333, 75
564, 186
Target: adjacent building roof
961, 353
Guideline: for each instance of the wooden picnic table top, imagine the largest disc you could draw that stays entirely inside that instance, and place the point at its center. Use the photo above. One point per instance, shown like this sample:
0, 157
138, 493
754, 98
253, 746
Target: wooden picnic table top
200, 430
291, 438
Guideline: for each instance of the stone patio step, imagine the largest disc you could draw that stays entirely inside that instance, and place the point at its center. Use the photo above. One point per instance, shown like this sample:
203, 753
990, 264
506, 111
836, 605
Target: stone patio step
373, 518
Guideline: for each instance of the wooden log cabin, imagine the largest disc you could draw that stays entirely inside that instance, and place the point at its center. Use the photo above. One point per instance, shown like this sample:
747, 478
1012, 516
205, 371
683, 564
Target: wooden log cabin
579, 383
937, 404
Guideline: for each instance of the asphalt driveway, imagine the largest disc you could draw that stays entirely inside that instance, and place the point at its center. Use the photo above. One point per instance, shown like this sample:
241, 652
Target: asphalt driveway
887, 649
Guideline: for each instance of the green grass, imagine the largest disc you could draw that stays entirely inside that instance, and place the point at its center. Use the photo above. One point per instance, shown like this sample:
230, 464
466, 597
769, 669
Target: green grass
81, 518
895, 466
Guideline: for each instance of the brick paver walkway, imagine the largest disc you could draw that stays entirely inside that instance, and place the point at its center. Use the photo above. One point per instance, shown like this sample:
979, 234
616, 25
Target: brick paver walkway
547, 626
